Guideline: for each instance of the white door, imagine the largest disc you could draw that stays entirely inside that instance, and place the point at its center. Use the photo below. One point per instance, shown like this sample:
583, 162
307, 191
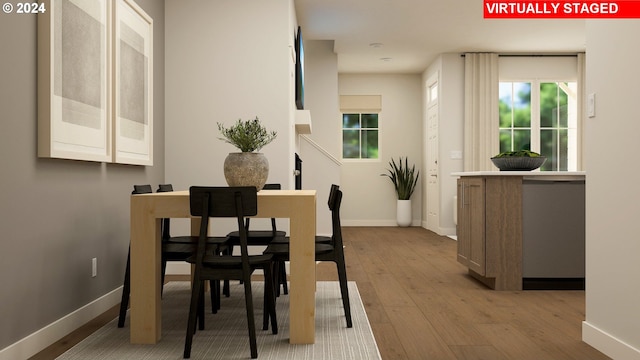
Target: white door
431, 148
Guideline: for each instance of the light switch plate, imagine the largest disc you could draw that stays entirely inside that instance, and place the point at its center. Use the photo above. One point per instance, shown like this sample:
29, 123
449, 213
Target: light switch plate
591, 105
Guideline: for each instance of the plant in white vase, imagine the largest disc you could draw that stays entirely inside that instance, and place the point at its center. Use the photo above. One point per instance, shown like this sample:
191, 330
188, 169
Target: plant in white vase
248, 167
405, 180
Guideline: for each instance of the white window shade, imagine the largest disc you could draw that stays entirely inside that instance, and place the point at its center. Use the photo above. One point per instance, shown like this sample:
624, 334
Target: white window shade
360, 103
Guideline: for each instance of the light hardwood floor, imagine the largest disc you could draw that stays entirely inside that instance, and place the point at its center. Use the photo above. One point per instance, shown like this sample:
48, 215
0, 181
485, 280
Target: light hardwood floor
422, 305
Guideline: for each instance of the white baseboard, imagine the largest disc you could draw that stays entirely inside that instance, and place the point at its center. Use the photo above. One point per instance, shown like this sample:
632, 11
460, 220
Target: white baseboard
608, 344
447, 231
442, 231
41, 339
363, 223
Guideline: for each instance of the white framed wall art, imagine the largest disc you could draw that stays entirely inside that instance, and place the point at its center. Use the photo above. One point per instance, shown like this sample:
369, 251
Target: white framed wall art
95, 81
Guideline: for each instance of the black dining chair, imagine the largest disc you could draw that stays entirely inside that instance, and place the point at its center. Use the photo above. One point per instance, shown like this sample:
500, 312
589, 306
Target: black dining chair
333, 251
174, 248
259, 237
319, 239
263, 238
174, 252
227, 202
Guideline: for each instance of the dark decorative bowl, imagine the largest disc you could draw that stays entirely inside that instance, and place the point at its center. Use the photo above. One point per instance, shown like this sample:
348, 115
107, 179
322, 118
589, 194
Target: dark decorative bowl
518, 163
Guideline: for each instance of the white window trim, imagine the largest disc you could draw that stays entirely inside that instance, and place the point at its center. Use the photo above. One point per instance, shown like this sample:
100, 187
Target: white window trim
535, 118
360, 160
361, 104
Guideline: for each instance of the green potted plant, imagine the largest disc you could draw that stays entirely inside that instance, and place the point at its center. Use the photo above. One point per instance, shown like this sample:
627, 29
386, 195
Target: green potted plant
405, 180
247, 135
521, 160
247, 167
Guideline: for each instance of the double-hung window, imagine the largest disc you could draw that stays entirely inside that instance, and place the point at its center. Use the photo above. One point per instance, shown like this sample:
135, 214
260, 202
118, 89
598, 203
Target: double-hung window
541, 116
360, 126
359, 136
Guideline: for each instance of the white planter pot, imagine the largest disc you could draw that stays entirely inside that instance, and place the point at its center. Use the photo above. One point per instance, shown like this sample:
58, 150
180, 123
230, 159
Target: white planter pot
403, 213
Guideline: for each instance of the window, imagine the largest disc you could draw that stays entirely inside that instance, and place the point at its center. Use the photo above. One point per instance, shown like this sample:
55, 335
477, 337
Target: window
541, 117
360, 126
359, 136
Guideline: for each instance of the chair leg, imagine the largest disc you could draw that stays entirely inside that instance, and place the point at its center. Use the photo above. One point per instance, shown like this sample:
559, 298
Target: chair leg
193, 309
163, 272
282, 279
250, 318
201, 308
344, 291
266, 314
126, 290
268, 292
215, 295
275, 269
269, 301
225, 288
225, 283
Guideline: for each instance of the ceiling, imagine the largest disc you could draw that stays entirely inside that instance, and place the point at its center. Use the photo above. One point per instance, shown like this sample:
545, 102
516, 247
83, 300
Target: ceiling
411, 33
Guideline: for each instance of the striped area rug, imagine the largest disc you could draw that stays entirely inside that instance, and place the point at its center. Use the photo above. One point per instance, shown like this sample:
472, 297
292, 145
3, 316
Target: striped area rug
226, 337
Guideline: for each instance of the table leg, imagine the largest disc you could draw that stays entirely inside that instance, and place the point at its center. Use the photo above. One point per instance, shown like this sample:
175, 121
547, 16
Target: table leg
145, 313
303, 272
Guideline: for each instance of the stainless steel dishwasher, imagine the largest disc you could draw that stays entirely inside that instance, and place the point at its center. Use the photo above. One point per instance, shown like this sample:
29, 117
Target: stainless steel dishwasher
553, 243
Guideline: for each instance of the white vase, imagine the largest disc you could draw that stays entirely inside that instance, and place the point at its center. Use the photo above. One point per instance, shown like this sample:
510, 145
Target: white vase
246, 169
403, 213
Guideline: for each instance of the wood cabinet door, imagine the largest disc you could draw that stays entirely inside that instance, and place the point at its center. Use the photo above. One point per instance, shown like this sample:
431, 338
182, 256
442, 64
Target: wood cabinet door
462, 223
471, 224
475, 206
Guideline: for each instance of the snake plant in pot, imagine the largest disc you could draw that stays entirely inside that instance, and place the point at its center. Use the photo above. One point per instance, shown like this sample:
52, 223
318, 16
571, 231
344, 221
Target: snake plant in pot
405, 180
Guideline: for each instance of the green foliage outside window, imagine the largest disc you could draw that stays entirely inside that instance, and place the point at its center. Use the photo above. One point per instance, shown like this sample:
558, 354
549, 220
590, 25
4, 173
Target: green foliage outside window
360, 136
515, 116
515, 109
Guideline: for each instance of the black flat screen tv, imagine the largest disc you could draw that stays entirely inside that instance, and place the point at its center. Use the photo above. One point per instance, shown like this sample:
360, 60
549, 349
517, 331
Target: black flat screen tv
299, 47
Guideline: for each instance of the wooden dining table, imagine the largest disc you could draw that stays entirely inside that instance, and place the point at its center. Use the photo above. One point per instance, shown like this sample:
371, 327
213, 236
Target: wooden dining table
147, 210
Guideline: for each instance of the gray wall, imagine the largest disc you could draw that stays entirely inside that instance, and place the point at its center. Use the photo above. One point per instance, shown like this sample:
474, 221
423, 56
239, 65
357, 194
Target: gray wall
55, 215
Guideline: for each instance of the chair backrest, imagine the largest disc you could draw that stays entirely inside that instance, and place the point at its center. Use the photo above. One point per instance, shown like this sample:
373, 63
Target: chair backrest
166, 223
272, 187
332, 193
273, 220
237, 202
335, 220
165, 188
142, 189
222, 201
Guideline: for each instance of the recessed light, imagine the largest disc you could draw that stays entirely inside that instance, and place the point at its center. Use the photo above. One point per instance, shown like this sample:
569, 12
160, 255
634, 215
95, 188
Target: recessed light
376, 44
385, 59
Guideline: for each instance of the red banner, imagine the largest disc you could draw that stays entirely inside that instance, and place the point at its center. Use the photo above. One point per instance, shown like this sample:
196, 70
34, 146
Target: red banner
503, 9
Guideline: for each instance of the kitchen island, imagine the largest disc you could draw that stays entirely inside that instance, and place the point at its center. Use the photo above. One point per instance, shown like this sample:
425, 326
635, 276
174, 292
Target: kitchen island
522, 229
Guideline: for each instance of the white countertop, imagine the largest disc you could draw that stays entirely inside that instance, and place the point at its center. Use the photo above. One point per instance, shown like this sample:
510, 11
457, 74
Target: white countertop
538, 175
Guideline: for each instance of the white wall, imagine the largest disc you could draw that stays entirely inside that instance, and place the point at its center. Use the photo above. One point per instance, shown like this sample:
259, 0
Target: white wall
225, 60
372, 199
612, 322
321, 95
319, 168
